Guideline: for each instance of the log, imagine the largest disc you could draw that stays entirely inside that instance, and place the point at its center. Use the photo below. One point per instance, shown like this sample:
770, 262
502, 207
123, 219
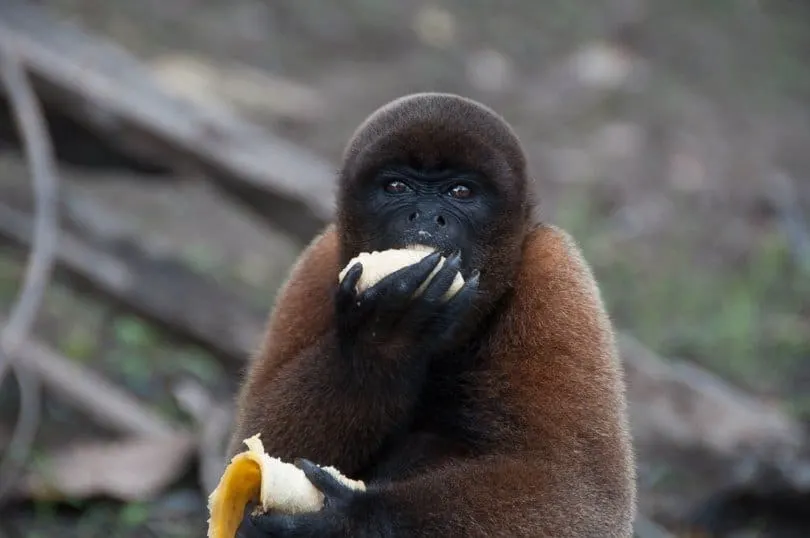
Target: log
691, 408
76, 145
102, 86
163, 291
91, 393
729, 449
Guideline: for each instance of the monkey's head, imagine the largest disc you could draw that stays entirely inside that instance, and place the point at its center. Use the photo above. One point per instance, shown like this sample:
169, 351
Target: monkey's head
439, 170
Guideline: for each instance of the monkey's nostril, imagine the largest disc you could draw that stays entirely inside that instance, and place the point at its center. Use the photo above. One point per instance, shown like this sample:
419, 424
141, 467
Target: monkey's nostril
413, 216
440, 220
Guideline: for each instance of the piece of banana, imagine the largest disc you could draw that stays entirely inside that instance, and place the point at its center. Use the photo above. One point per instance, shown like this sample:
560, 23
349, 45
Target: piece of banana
379, 264
277, 486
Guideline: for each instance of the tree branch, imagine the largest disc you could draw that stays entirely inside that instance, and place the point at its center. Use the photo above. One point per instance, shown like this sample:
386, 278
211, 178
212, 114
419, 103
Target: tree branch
93, 394
39, 153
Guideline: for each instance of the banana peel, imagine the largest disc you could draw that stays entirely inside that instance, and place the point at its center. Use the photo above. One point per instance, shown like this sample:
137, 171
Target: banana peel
254, 476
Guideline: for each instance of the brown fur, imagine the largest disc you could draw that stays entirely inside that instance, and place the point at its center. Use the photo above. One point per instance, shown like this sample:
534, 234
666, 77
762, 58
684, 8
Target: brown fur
542, 447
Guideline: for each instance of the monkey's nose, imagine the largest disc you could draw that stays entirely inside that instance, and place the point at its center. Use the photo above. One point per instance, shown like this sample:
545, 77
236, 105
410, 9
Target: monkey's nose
427, 219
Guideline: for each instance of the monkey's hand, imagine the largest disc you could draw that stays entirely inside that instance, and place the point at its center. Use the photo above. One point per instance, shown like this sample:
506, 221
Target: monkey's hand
343, 513
390, 318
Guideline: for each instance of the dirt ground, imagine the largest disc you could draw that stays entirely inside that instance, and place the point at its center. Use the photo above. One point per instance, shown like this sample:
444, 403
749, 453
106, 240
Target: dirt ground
661, 161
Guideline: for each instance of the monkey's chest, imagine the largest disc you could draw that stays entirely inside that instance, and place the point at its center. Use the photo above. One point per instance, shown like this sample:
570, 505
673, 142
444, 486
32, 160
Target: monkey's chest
459, 413
457, 407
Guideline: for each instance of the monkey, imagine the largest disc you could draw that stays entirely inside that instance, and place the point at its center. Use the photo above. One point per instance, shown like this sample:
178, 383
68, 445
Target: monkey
498, 412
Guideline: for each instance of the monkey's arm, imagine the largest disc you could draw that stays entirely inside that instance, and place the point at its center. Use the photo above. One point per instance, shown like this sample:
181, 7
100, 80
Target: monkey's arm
521, 495
338, 398
317, 407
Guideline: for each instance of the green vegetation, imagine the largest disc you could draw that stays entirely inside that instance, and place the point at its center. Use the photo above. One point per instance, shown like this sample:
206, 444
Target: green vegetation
745, 319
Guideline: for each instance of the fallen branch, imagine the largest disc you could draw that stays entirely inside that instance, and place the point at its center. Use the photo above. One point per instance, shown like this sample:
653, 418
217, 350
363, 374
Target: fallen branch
91, 393
112, 468
44, 180
692, 408
714, 436
164, 291
39, 153
104, 87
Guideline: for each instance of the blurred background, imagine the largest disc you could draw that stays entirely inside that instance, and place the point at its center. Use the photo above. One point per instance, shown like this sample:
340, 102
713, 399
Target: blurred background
189, 158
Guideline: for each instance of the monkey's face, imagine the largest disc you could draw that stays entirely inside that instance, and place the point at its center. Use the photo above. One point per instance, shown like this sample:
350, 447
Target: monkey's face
448, 209
441, 171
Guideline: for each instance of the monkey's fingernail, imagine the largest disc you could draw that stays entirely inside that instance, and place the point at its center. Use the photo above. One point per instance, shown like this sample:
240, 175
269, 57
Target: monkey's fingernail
432, 259
302, 462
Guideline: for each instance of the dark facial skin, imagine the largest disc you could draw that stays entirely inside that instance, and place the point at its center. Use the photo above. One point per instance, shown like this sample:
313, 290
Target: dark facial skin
446, 209
404, 206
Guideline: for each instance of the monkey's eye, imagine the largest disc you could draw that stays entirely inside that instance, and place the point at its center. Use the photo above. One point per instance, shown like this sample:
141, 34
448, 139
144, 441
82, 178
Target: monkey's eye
396, 187
460, 191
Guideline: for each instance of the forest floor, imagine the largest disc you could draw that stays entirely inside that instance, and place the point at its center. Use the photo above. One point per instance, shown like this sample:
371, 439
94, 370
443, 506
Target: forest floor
666, 182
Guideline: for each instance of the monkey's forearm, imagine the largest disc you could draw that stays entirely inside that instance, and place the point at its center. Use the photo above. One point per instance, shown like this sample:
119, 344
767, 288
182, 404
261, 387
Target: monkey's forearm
329, 408
501, 496
529, 496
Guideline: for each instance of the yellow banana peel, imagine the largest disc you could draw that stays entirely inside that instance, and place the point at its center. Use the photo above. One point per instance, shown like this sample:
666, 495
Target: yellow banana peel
254, 476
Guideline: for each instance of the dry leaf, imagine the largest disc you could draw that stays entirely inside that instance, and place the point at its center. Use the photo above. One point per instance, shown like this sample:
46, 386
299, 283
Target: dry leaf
132, 469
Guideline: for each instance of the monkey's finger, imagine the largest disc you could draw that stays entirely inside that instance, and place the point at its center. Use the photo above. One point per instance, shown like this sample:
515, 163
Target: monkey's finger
441, 282
454, 309
424, 309
321, 479
348, 285
350, 308
264, 525
397, 289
